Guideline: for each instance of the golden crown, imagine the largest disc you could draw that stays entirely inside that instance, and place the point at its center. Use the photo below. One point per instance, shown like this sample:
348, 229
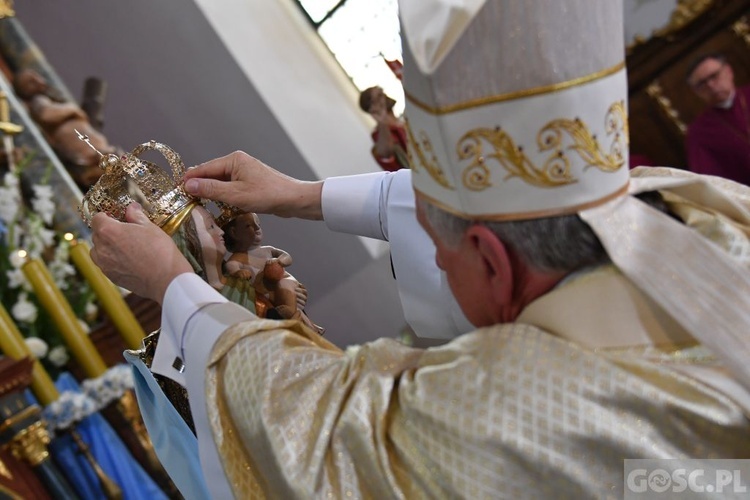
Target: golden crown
128, 178
227, 213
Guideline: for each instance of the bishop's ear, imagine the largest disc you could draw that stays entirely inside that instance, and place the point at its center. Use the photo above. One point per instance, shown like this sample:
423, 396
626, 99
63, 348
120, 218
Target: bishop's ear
493, 262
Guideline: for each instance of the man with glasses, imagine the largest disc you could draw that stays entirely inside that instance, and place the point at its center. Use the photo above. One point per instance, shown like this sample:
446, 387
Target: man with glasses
718, 141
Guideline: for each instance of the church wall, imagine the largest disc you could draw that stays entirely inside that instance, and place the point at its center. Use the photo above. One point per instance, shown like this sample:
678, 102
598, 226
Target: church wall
171, 78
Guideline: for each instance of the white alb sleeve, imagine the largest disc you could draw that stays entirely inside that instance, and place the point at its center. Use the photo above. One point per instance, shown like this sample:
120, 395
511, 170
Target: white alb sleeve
382, 206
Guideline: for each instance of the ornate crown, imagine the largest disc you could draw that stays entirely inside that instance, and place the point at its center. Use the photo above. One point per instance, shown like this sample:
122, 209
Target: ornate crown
227, 213
128, 178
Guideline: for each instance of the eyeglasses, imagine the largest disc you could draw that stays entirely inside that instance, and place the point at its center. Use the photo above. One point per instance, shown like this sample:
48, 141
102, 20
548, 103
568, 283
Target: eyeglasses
703, 83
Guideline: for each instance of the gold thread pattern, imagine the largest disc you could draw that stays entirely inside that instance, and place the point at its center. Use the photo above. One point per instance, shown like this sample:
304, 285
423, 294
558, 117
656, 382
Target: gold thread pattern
556, 169
587, 144
475, 177
432, 166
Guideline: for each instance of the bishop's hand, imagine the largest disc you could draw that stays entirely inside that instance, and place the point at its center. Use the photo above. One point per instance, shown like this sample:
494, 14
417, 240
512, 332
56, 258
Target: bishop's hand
137, 254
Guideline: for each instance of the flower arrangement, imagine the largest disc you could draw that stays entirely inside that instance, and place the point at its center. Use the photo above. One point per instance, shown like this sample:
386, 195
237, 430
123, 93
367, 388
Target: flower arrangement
26, 225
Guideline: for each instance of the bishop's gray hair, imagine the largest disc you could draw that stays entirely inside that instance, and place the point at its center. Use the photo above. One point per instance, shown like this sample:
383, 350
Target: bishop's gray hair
563, 243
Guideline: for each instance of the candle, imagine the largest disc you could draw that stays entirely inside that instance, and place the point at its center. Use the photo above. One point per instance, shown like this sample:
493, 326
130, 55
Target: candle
14, 346
109, 296
55, 303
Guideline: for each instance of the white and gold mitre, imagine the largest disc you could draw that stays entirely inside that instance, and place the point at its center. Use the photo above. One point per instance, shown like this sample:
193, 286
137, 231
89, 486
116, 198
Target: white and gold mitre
515, 109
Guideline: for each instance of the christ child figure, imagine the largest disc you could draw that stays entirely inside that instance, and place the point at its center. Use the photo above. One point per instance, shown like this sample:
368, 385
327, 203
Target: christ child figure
265, 267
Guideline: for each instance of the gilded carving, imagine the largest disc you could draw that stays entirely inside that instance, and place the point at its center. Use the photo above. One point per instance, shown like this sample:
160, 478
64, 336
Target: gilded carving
685, 13
4, 471
6, 9
741, 28
422, 149
656, 92
30, 444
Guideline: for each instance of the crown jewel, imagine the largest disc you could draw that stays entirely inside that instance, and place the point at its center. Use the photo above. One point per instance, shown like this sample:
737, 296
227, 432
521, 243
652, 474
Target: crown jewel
128, 178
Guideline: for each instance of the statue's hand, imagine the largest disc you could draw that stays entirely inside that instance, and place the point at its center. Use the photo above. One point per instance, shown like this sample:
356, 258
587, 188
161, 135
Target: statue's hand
301, 294
273, 270
243, 274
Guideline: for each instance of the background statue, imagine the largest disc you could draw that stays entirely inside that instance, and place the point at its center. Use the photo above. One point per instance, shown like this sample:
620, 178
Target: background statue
58, 119
389, 136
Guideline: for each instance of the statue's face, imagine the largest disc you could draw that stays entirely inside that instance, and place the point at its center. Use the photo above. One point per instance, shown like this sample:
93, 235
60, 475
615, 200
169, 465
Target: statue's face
246, 232
209, 233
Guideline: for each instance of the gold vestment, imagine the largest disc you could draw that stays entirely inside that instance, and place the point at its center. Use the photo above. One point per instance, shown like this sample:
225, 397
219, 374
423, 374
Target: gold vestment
592, 373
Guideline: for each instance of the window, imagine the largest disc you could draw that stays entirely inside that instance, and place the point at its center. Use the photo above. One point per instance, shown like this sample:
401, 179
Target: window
361, 35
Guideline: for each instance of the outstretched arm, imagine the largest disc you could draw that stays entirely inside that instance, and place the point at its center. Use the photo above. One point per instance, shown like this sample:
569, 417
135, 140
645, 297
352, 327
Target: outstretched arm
240, 180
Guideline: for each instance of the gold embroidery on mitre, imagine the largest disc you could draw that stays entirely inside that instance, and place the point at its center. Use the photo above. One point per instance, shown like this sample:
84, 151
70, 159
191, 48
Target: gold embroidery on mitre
476, 177
585, 143
432, 165
556, 170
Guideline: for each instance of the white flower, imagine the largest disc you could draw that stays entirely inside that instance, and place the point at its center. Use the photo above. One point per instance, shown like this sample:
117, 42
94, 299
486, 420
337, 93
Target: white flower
38, 237
62, 252
11, 180
60, 272
16, 278
16, 259
24, 310
37, 346
47, 236
69, 408
10, 202
85, 326
58, 356
42, 202
91, 310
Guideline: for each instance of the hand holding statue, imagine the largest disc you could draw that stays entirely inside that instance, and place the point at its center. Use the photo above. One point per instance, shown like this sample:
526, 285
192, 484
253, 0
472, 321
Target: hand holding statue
126, 252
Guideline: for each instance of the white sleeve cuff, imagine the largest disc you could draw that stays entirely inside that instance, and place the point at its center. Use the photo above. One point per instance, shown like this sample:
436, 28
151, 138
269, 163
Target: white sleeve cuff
351, 204
185, 296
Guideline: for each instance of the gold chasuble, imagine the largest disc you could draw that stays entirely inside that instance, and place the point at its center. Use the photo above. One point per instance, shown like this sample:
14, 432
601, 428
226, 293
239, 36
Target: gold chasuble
593, 373
504, 412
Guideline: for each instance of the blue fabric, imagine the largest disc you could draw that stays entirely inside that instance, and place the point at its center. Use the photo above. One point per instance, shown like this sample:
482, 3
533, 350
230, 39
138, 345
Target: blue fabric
174, 442
70, 463
76, 469
110, 453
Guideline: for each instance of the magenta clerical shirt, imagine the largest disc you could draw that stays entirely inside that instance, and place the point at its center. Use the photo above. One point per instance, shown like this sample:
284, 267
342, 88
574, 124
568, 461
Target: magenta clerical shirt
718, 141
